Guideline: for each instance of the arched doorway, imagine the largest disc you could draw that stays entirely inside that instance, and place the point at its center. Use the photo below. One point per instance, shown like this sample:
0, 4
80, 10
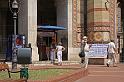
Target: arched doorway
48, 16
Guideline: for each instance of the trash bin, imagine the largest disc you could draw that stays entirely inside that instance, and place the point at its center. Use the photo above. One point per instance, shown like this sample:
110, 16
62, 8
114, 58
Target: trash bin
24, 56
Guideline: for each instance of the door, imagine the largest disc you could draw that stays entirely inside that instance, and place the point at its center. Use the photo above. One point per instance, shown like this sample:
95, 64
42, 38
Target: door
45, 48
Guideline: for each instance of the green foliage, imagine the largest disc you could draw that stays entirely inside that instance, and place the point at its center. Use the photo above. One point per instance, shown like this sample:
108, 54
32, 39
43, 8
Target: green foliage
43, 74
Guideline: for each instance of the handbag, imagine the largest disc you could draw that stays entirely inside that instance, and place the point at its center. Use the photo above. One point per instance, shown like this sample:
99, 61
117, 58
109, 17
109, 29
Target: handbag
82, 54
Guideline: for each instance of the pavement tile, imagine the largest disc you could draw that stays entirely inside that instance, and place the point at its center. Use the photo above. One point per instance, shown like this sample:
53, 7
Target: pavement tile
102, 73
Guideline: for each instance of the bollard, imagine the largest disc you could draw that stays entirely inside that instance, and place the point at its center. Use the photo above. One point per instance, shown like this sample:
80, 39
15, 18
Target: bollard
24, 73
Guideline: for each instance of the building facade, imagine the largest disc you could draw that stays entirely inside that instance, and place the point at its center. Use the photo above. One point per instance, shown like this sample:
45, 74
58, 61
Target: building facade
100, 20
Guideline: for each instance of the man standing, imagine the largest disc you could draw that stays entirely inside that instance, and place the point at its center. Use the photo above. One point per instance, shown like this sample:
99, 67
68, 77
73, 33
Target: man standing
111, 53
86, 48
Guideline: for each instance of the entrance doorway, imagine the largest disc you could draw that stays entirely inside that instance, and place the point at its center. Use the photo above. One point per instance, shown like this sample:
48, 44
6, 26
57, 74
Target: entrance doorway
50, 14
46, 16
45, 48
44, 41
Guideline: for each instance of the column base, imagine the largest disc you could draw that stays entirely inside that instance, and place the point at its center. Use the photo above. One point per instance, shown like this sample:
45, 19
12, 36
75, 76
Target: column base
35, 55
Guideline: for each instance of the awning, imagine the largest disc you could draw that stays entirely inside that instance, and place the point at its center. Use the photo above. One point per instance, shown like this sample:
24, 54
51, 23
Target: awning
51, 27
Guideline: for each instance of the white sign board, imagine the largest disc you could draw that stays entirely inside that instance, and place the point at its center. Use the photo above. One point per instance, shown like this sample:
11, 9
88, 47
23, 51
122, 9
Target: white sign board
98, 51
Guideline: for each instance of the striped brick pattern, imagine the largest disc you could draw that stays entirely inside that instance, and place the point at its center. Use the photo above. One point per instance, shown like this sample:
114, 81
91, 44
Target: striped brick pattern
100, 19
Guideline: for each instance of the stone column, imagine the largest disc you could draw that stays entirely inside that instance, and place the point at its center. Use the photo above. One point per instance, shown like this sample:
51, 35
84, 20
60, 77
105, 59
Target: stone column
75, 26
70, 29
28, 24
101, 22
98, 21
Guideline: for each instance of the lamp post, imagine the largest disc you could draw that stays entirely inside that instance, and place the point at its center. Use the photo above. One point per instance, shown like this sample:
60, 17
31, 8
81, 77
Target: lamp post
14, 9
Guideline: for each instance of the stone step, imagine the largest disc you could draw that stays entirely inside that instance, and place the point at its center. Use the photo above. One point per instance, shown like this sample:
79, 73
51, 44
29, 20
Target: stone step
44, 63
49, 62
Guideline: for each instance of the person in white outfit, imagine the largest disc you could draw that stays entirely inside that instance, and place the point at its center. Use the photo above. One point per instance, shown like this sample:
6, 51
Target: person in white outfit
59, 49
86, 48
111, 53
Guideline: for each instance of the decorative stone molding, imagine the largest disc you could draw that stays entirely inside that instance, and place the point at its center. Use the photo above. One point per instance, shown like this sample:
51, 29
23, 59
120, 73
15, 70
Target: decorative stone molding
96, 9
76, 23
112, 17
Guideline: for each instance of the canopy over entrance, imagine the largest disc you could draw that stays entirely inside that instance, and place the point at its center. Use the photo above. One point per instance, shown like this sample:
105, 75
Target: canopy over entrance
47, 35
51, 27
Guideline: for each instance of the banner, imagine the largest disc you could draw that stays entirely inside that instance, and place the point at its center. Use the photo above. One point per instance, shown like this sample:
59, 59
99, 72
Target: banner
98, 51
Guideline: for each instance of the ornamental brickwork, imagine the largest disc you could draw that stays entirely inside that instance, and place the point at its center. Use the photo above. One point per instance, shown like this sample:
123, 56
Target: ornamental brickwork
101, 20
76, 23
112, 12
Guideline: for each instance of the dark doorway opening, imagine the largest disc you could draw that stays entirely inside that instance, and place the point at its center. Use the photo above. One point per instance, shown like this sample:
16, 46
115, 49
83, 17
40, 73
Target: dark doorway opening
46, 12
46, 16
6, 30
121, 30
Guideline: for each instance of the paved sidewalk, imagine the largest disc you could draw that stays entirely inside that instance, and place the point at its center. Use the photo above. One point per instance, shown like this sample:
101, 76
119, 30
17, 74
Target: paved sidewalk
102, 73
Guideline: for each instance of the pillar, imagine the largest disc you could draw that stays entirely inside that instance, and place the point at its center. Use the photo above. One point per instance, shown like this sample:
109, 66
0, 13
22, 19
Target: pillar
27, 24
98, 22
75, 28
101, 22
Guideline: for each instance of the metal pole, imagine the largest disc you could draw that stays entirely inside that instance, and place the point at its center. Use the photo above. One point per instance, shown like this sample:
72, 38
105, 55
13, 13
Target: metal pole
14, 9
15, 17
14, 55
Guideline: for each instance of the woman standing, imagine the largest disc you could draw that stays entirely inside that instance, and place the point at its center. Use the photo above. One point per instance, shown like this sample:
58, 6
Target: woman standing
59, 49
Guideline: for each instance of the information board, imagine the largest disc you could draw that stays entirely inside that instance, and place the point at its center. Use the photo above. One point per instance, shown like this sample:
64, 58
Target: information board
98, 51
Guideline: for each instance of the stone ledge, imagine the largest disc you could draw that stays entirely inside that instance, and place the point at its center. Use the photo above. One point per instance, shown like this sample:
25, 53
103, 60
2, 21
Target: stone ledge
73, 76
